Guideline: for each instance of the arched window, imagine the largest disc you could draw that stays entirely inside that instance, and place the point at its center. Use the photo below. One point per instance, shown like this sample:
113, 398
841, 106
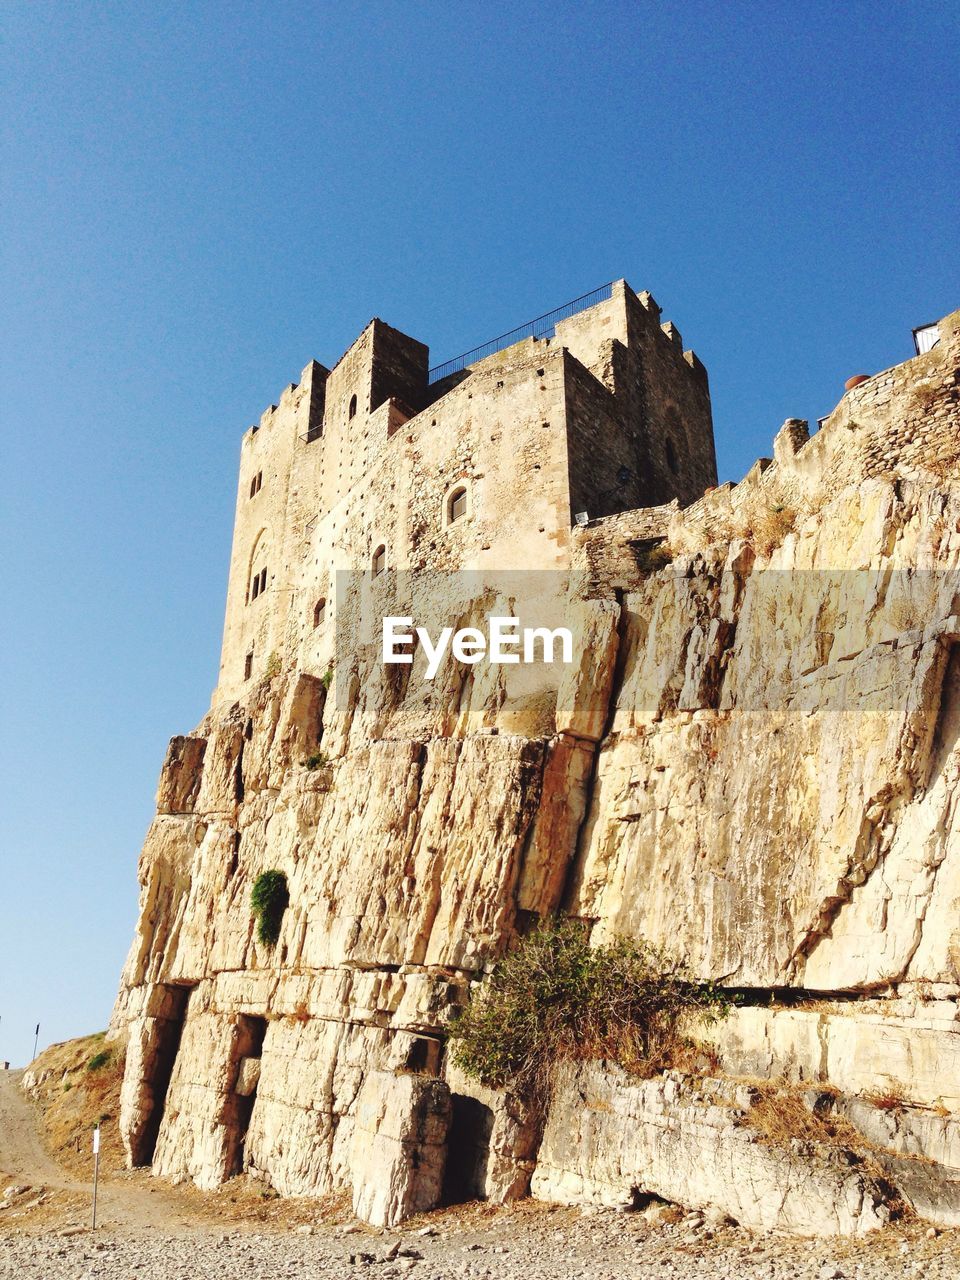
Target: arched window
457, 504
351, 412
379, 561
319, 612
671, 455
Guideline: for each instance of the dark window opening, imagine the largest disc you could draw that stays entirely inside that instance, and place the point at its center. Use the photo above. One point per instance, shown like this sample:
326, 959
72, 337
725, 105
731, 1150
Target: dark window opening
256, 484
379, 562
352, 411
457, 505
248, 666
259, 584
671, 455
319, 611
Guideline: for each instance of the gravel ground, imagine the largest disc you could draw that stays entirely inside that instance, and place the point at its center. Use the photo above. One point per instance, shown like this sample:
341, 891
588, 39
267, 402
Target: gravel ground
526, 1242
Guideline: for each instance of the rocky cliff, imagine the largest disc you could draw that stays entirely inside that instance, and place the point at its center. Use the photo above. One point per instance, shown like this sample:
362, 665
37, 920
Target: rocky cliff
755, 762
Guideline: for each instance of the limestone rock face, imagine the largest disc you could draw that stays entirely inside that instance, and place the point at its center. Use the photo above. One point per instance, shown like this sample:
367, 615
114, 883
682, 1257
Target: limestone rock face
399, 1147
753, 761
609, 1139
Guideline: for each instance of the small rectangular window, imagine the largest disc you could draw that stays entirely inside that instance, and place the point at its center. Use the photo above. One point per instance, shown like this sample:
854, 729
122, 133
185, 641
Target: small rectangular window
248, 666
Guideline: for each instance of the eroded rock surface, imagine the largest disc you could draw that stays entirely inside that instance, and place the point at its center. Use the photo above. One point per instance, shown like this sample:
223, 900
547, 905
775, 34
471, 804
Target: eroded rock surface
754, 762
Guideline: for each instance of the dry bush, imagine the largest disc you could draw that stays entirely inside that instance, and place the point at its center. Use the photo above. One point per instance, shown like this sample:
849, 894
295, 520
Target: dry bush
945, 465
924, 396
780, 1115
300, 1012
892, 1100
652, 555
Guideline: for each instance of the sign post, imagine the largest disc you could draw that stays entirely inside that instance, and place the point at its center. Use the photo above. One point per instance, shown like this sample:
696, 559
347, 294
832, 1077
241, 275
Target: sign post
96, 1172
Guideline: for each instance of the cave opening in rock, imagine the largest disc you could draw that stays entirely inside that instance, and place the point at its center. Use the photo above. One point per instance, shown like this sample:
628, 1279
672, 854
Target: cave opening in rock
167, 1034
249, 1050
468, 1150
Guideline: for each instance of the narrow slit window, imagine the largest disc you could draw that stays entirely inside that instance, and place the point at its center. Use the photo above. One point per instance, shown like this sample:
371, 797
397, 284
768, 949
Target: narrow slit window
248, 666
319, 612
352, 411
379, 561
671, 454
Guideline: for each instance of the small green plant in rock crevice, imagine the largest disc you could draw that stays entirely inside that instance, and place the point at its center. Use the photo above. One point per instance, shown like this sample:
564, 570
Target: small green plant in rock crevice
316, 760
555, 998
268, 901
99, 1060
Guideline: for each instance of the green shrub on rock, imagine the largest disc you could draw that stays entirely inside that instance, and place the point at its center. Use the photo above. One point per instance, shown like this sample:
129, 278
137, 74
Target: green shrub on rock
555, 998
268, 901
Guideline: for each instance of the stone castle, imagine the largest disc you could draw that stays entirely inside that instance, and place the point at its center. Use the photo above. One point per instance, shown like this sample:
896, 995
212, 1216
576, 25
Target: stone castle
755, 762
365, 464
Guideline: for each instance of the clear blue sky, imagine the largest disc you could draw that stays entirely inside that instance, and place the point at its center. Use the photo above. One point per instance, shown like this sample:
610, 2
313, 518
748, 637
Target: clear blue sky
198, 198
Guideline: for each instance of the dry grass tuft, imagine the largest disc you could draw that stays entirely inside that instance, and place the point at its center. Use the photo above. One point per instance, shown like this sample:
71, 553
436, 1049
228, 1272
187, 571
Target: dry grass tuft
769, 528
780, 1115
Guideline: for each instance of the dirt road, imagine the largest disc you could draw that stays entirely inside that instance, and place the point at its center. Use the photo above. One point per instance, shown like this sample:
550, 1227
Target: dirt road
130, 1202
21, 1151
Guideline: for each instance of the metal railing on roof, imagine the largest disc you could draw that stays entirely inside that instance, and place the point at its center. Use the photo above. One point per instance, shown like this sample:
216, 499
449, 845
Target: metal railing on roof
542, 327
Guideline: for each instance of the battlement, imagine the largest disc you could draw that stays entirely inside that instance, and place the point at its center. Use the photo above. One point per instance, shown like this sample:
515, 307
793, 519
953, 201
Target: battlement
898, 424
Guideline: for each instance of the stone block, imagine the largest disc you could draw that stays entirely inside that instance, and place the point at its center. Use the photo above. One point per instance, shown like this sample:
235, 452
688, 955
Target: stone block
399, 1148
